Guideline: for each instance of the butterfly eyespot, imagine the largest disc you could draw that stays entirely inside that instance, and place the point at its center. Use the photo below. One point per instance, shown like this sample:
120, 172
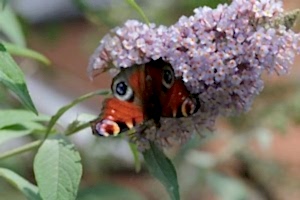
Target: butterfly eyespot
121, 88
107, 128
122, 91
189, 106
168, 76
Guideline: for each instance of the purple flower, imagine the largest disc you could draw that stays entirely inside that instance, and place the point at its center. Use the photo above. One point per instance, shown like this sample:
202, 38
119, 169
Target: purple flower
219, 53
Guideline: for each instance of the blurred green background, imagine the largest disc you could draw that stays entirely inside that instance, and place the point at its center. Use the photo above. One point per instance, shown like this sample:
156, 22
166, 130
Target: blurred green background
252, 156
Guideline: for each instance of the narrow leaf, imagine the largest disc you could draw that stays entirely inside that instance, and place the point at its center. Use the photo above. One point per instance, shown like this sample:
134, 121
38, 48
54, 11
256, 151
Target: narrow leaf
3, 2
162, 168
133, 4
25, 52
17, 131
109, 192
12, 77
12, 117
212, 4
2, 48
136, 158
57, 169
29, 190
10, 26
6, 135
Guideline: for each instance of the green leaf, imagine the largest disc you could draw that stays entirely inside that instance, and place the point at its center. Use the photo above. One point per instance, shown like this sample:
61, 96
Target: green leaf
6, 135
64, 109
10, 26
192, 4
16, 131
135, 6
108, 192
29, 190
3, 3
2, 48
13, 117
57, 169
12, 77
136, 158
25, 52
162, 168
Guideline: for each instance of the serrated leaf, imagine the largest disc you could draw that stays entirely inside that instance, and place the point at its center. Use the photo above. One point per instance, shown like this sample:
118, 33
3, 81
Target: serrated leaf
108, 192
12, 77
28, 189
13, 117
10, 26
162, 168
57, 169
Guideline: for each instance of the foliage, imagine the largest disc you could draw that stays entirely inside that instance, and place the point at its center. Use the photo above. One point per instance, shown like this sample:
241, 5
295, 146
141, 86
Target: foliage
162, 168
12, 77
64, 165
29, 190
57, 163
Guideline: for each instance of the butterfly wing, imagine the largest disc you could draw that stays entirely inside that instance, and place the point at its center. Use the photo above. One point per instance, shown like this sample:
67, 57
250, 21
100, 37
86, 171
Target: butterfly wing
141, 93
129, 105
174, 99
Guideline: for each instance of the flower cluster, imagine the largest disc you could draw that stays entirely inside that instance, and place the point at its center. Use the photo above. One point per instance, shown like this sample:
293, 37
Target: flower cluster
219, 53
135, 43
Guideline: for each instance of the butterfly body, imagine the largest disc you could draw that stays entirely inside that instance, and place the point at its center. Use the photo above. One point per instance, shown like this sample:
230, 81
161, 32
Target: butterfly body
141, 93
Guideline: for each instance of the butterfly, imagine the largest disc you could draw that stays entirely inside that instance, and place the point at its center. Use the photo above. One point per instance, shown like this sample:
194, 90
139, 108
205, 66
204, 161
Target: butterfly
144, 92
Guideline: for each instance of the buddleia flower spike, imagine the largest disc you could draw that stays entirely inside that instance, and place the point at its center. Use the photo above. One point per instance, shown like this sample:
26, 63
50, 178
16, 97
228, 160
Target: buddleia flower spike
219, 53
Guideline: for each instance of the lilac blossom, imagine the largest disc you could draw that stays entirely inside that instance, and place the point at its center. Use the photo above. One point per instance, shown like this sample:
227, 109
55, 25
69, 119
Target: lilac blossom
219, 53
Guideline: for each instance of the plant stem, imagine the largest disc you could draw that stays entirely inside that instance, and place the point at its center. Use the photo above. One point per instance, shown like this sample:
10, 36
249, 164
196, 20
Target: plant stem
35, 144
19, 150
79, 128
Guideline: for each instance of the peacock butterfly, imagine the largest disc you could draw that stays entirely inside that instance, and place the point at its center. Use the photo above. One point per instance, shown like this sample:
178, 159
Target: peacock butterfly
144, 92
